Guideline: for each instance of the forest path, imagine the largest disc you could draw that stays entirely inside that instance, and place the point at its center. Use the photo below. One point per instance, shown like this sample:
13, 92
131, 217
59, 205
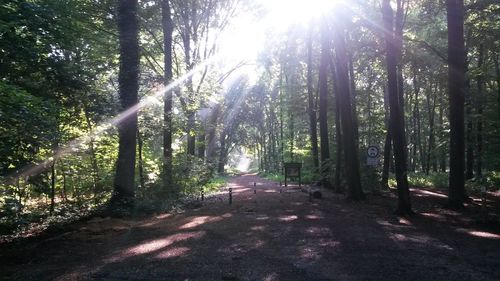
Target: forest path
270, 235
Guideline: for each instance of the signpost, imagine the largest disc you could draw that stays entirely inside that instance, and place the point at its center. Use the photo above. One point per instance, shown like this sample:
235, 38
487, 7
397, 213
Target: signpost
372, 155
292, 170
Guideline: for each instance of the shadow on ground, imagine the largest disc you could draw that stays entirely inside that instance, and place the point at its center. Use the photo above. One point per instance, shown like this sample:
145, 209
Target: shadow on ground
270, 235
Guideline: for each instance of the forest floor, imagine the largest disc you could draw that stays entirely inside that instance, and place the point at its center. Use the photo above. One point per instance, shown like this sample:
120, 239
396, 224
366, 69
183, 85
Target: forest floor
272, 235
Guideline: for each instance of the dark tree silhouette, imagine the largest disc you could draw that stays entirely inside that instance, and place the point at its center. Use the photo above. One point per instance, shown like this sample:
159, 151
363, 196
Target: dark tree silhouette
128, 29
323, 100
396, 111
355, 192
456, 91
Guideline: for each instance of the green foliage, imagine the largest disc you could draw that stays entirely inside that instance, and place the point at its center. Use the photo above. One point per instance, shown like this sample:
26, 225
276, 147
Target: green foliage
191, 174
490, 182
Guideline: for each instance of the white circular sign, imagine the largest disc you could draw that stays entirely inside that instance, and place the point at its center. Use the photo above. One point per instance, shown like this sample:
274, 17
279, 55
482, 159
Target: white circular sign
372, 151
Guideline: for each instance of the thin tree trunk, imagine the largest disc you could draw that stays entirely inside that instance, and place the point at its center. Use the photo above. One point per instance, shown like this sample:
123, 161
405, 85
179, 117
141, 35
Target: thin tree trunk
168, 27
430, 144
480, 84
142, 180
456, 91
93, 158
387, 145
442, 150
469, 168
282, 141
201, 145
338, 133
128, 30
497, 70
417, 125
222, 153
52, 186
323, 103
311, 108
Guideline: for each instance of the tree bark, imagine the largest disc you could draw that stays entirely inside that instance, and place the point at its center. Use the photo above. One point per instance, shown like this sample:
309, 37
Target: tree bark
384, 183
168, 27
52, 186
480, 85
323, 103
128, 30
456, 92
311, 108
469, 167
355, 192
142, 180
396, 112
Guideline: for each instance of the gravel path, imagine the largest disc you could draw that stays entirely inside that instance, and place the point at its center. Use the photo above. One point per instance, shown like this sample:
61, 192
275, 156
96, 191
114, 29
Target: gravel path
267, 235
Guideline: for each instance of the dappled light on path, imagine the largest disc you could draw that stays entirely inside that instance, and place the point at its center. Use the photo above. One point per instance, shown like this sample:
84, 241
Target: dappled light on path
276, 236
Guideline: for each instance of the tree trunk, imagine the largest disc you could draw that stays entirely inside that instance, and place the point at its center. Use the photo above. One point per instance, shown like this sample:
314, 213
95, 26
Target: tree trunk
338, 133
222, 153
431, 106
191, 136
211, 132
201, 145
311, 108
93, 158
387, 145
456, 91
497, 70
323, 103
168, 27
480, 84
396, 112
469, 169
355, 192
142, 180
52, 186
128, 30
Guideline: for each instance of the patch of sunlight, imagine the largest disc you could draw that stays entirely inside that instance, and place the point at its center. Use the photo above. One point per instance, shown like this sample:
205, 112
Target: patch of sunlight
318, 231
314, 217
288, 218
481, 234
172, 253
258, 228
434, 216
404, 221
157, 244
197, 221
241, 190
426, 192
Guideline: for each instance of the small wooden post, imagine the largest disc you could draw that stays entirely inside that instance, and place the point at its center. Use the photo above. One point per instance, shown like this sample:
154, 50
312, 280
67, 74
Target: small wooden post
202, 195
230, 196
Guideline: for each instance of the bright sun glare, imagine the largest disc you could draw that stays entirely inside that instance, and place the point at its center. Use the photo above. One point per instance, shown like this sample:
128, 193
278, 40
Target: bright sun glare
246, 36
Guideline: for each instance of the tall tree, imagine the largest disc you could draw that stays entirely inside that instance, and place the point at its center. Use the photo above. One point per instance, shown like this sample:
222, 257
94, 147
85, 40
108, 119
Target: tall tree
396, 111
310, 99
456, 91
323, 101
167, 26
355, 192
128, 30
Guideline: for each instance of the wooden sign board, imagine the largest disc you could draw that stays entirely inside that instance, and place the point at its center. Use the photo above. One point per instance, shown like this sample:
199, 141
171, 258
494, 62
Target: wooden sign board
292, 170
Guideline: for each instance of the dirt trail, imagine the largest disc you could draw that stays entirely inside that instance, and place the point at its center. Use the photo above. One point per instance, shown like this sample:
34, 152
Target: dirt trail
270, 235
